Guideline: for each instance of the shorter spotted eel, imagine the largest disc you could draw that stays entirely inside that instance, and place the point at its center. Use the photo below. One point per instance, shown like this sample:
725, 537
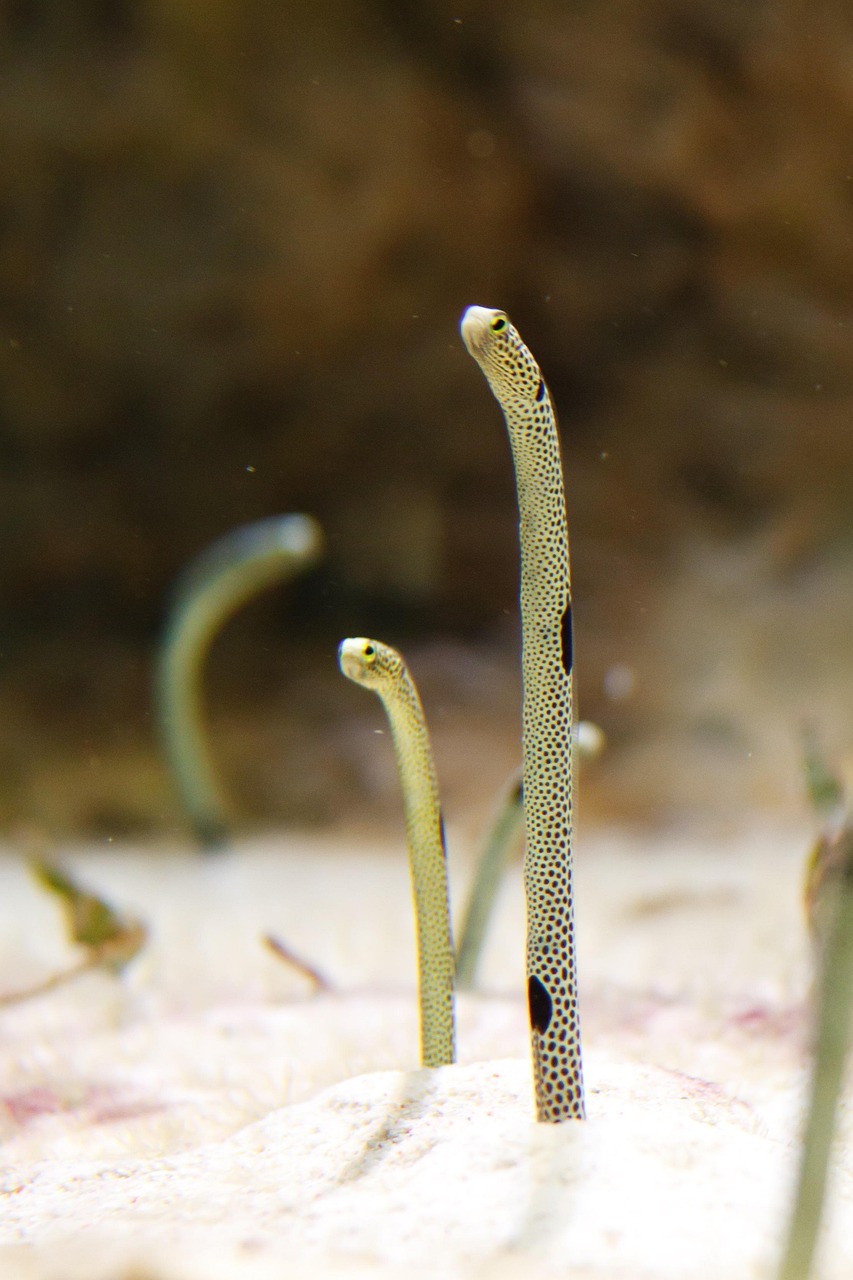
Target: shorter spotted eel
378, 667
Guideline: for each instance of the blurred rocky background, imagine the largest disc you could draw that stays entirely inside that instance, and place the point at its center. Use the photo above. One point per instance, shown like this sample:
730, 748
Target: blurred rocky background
236, 237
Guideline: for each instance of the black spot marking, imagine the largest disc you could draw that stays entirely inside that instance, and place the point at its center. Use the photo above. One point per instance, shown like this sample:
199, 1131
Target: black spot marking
566, 638
539, 1003
540, 392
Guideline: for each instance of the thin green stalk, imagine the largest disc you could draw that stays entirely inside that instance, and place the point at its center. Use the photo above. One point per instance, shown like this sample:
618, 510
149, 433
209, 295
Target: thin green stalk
506, 833
835, 1009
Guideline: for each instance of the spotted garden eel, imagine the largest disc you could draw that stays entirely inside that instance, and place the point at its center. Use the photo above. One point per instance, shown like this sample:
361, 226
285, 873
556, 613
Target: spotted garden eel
505, 835
378, 667
546, 622
211, 589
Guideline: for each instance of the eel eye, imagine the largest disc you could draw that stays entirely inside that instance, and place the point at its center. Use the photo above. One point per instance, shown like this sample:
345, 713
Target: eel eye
498, 324
369, 652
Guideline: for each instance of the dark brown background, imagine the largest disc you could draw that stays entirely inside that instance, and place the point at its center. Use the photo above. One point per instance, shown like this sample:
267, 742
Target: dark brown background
236, 241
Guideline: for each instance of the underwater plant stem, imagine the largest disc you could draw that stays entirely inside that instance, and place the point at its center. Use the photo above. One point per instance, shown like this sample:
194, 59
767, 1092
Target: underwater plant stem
315, 976
86, 965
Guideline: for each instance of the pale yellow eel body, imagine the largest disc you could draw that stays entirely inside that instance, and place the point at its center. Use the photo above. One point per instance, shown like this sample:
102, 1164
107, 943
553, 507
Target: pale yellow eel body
378, 667
506, 833
546, 620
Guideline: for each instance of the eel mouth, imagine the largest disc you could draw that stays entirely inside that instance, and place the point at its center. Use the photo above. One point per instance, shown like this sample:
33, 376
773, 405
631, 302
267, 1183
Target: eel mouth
476, 328
350, 658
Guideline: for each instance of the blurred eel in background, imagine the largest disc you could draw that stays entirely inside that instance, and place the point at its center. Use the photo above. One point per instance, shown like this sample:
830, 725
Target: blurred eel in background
212, 588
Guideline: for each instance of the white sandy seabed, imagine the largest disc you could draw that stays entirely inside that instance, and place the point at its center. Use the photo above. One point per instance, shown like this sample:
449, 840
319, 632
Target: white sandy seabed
207, 1118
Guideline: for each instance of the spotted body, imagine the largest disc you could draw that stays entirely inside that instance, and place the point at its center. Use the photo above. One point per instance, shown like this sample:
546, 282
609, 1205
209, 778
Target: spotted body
546, 619
378, 667
506, 834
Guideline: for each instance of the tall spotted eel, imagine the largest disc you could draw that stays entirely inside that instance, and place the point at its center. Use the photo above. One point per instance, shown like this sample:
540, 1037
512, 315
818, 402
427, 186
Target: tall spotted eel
378, 667
507, 833
221, 579
546, 621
